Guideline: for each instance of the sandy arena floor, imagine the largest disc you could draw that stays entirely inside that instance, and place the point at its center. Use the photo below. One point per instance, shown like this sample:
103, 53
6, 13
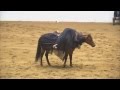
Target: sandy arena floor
18, 44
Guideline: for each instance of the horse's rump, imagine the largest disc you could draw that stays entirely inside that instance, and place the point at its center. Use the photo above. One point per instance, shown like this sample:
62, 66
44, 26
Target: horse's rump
45, 43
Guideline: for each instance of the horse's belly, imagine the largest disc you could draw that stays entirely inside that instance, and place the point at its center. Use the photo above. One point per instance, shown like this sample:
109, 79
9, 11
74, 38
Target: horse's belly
59, 53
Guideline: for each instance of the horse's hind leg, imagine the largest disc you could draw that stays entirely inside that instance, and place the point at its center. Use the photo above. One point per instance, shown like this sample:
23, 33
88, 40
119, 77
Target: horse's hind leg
46, 54
42, 53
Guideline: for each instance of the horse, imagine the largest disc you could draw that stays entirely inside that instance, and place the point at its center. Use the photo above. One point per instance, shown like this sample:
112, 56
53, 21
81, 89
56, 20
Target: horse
70, 39
45, 45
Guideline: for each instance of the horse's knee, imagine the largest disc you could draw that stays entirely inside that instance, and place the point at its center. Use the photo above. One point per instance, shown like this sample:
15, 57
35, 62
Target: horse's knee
65, 58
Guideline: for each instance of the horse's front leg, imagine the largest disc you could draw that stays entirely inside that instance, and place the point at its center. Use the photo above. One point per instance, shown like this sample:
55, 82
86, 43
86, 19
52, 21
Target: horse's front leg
70, 56
46, 54
70, 59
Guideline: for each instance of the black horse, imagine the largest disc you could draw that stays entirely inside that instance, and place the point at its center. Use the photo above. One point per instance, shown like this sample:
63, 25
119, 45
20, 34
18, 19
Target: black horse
70, 39
63, 44
45, 45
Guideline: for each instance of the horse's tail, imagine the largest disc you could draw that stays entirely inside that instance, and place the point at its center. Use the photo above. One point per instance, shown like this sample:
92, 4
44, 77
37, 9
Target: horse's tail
38, 53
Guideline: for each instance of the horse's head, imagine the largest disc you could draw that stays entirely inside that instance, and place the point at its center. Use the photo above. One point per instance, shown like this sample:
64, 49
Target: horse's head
89, 40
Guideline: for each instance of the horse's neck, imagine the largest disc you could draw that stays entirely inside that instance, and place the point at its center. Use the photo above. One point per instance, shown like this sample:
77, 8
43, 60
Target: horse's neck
82, 40
79, 43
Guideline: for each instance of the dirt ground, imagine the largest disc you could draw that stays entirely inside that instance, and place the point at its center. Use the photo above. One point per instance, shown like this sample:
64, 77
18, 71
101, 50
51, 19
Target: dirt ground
18, 44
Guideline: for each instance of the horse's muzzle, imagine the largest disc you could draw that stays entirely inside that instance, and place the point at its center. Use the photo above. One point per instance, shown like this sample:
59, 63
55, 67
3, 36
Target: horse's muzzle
93, 45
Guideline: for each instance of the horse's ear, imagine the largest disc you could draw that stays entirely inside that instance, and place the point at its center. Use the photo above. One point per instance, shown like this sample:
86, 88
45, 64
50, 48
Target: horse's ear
89, 35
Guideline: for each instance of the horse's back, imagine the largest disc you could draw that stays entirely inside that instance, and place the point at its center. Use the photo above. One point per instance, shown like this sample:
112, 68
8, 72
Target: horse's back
46, 41
49, 38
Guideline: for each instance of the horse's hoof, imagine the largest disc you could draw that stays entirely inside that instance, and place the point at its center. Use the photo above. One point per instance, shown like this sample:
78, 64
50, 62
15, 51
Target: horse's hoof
49, 64
35, 61
41, 65
64, 66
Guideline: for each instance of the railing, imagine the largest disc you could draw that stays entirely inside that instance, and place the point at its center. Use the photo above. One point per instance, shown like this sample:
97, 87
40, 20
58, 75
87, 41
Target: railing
116, 18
